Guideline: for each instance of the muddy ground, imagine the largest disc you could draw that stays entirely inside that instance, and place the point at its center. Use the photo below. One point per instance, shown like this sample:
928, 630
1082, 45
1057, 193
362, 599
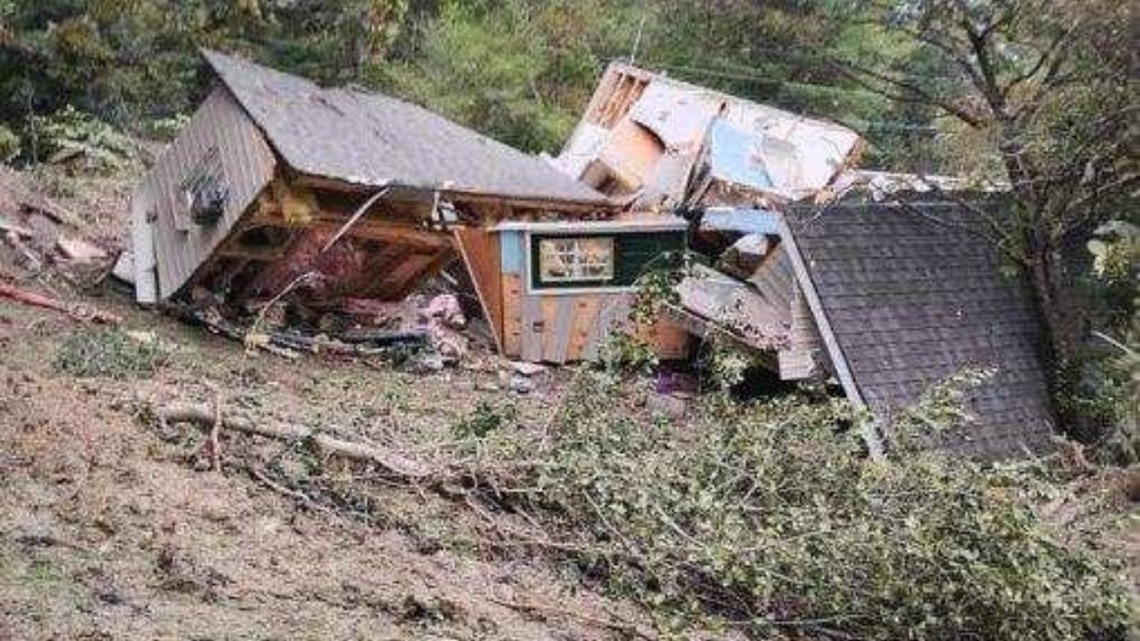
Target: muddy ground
114, 527
110, 529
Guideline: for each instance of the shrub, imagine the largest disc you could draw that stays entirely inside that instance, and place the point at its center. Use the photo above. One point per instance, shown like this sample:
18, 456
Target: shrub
72, 133
112, 353
487, 418
769, 519
9, 145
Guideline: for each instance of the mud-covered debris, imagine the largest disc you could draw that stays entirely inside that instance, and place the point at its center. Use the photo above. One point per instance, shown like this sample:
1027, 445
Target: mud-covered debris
124, 268
524, 368
77, 311
79, 251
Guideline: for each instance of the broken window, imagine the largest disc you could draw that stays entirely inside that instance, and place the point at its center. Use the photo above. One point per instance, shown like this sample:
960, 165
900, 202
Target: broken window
204, 191
575, 259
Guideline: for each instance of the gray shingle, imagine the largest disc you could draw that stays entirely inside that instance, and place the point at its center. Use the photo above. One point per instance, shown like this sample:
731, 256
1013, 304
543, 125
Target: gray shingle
912, 301
370, 139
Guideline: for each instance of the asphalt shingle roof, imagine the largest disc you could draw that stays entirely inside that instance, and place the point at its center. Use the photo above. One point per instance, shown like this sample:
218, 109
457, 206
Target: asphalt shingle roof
371, 139
914, 297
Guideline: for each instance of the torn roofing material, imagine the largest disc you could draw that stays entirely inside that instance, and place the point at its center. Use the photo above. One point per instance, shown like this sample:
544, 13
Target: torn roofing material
912, 296
373, 140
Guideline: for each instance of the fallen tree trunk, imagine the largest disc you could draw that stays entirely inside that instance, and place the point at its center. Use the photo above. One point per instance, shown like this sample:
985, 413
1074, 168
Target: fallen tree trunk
394, 464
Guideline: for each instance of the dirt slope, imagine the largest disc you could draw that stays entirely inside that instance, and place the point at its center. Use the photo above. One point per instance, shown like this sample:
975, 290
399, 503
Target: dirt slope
107, 532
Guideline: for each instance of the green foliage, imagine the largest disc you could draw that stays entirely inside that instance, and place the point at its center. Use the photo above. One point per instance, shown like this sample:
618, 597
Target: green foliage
71, 134
166, 128
1101, 385
487, 418
940, 408
9, 144
484, 67
626, 352
768, 520
112, 353
131, 62
722, 363
626, 349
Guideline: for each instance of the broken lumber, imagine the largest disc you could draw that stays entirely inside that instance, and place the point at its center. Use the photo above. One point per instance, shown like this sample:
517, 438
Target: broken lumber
78, 311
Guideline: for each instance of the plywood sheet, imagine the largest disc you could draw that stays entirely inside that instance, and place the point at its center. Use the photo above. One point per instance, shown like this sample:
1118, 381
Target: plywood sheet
584, 318
613, 314
632, 153
559, 321
533, 329
480, 251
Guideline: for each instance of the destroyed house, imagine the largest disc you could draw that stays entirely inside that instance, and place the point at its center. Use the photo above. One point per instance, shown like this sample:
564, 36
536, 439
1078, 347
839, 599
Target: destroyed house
878, 281
663, 145
335, 199
335, 196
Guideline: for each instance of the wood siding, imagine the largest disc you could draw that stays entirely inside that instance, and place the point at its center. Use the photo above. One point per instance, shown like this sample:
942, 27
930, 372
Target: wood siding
220, 128
559, 327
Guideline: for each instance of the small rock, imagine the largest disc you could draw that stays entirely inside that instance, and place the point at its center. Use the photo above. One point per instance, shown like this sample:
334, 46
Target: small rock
124, 268
431, 362
488, 386
666, 405
521, 385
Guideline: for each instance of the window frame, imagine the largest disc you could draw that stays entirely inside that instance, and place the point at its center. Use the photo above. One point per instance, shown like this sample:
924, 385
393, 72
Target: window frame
532, 237
563, 283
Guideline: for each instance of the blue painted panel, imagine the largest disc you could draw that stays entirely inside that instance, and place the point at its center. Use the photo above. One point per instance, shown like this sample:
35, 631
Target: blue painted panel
745, 221
512, 251
733, 156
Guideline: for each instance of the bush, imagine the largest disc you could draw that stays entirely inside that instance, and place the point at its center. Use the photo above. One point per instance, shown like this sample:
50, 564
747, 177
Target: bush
9, 145
70, 133
487, 418
111, 353
769, 519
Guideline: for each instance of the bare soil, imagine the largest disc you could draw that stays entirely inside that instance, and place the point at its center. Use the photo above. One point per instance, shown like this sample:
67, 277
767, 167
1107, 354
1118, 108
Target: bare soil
112, 528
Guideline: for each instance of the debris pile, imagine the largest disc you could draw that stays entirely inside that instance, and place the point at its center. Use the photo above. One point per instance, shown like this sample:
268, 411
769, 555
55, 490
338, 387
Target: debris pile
729, 166
44, 241
298, 218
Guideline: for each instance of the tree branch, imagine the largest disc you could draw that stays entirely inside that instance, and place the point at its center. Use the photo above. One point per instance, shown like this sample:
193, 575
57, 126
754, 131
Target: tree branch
906, 91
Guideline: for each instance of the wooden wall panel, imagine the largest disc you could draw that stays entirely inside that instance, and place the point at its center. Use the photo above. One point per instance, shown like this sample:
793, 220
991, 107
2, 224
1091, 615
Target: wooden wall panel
480, 251
584, 317
513, 265
804, 358
533, 329
247, 165
512, 315
560, 312
559, 327
612, 313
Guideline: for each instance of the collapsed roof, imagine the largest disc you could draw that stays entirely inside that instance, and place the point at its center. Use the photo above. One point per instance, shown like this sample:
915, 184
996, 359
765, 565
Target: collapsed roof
372, 140
910, 294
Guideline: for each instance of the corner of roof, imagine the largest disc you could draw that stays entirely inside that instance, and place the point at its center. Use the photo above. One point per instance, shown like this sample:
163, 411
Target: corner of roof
214, 58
